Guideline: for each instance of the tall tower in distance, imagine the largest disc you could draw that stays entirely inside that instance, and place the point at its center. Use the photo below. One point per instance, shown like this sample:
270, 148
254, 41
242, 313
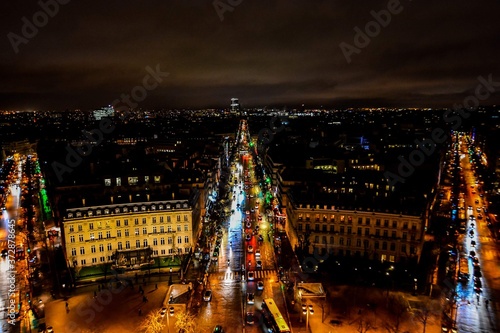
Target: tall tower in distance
235, 105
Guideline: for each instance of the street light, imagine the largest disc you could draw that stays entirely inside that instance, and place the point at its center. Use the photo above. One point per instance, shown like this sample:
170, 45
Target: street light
170, 314
307, 309
415, 288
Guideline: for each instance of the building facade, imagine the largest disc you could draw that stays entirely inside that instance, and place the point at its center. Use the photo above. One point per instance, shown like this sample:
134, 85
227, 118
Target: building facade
374, 235
130, 234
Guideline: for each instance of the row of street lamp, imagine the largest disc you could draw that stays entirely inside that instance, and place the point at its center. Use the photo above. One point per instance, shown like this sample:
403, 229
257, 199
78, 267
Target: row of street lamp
307, 310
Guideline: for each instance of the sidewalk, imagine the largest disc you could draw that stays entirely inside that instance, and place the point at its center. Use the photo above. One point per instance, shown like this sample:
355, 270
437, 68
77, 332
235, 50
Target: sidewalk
347, 310
107, 310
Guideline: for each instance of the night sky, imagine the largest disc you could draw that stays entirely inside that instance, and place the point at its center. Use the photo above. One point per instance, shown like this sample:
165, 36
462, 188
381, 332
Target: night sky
266, 53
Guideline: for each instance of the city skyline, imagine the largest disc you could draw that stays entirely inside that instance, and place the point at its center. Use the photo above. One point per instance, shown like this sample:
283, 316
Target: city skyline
276, 54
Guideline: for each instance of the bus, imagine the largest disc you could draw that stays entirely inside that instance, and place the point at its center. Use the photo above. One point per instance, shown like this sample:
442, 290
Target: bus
273, 318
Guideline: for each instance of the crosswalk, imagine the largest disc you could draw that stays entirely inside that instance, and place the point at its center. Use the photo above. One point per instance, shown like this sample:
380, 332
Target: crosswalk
262, 274
258, 275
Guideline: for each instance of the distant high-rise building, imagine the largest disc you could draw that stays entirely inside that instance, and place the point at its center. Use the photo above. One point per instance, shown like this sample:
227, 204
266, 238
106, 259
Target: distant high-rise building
235, 105
104, 112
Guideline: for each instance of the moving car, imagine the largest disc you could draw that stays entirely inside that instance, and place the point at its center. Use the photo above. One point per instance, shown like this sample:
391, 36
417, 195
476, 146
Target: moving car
207, 296
218, 329
250, 318
478, 285
251, 276
260, 285
250, 298
250, 249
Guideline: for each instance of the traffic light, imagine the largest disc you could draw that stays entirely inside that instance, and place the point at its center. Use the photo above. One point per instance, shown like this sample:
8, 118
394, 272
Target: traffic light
29, 250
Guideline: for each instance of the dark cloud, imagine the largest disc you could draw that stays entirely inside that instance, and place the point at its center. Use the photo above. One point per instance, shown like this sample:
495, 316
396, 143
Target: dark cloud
264, 52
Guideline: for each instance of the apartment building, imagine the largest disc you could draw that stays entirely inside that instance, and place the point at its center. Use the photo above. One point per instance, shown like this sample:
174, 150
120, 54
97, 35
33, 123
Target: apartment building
129, 234
383, 236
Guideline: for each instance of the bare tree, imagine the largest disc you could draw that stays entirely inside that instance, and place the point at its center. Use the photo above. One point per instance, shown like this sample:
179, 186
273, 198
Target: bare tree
426, 313
185, 323
105, 269
397, 308
153, 323
365, 325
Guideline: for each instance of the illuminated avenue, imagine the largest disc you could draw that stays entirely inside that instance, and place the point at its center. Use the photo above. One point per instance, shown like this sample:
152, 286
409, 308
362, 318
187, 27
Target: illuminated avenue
239, 231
